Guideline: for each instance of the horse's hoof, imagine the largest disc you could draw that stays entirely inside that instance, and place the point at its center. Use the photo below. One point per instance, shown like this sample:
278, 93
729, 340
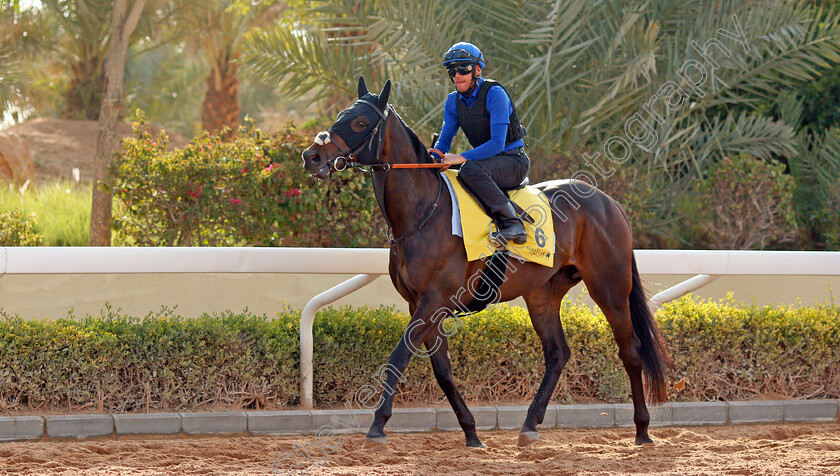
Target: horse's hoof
643, 440
377, 440
475, 444
527, 438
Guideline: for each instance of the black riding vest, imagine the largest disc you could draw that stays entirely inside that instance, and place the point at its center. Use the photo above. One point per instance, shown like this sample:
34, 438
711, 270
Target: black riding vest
475, 121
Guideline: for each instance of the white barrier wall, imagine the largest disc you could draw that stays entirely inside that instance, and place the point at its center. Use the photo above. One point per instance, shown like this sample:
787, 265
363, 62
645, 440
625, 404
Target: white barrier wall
51, 296
34, 282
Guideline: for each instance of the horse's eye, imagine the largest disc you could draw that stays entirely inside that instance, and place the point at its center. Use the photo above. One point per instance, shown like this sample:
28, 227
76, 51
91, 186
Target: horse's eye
359, 125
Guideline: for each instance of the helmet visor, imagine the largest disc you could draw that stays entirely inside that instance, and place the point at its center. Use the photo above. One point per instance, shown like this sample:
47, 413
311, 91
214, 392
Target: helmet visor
459, 55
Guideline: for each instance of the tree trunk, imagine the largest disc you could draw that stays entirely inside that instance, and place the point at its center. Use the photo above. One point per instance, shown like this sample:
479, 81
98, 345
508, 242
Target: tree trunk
84, 97
220, 107
122, 27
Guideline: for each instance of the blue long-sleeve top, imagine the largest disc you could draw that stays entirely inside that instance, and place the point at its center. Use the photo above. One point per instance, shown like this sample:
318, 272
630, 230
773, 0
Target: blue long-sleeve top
499, 107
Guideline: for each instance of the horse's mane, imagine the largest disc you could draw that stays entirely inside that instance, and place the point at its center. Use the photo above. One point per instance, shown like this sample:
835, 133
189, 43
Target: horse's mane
416, 143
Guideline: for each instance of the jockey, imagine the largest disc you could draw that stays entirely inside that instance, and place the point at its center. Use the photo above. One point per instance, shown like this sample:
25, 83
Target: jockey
483, 109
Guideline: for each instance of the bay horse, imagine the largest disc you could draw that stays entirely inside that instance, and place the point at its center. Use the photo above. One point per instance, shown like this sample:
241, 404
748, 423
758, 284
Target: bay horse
429, 266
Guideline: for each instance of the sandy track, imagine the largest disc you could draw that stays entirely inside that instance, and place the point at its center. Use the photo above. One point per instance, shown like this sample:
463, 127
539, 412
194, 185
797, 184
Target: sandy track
743, 450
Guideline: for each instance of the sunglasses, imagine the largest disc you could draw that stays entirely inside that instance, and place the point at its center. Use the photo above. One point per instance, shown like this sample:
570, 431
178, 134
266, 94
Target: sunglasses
462, 70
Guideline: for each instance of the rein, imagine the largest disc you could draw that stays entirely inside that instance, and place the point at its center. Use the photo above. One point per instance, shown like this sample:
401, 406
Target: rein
419, 166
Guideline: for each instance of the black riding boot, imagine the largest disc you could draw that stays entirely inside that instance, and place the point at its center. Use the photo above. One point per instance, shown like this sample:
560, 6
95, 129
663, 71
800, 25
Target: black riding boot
510, 225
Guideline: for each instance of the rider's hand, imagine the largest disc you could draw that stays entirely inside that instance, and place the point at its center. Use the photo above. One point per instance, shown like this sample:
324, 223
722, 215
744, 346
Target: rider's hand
453, 159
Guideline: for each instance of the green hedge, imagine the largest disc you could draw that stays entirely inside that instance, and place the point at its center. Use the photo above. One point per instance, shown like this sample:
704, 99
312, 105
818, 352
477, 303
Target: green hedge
16, 229
163, 362
249, 190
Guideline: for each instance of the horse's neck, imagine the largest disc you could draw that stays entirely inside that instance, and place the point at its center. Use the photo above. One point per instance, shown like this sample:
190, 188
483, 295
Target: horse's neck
406, 196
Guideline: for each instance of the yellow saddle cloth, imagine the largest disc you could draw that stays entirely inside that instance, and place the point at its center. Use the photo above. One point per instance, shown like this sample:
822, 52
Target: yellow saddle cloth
476, 225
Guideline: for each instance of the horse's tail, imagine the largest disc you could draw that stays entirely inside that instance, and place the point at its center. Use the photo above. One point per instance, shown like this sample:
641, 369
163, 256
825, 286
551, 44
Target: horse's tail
655, 358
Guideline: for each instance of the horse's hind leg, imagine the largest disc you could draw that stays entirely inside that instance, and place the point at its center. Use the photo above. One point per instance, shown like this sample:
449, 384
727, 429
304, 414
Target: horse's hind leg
611, 290
544, 309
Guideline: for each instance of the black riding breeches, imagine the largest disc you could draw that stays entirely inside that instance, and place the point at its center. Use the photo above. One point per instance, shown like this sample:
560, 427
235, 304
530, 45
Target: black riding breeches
482, 178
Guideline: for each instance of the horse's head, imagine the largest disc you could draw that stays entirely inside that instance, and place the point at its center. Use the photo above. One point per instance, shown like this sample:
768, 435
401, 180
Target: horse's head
353, 136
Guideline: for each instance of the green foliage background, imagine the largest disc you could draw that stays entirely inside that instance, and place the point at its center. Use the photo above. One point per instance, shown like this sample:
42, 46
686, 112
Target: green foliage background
245, 191
577, 70
58, 212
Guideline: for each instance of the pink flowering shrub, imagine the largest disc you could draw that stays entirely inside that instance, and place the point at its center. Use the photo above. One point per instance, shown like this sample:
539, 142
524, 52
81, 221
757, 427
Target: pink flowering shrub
248, 191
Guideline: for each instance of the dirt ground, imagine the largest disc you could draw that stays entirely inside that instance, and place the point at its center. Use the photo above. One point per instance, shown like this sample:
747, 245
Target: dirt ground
58, 146
807, 449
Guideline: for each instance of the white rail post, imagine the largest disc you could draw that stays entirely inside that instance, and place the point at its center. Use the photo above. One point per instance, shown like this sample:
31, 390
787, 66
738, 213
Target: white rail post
680, 289
4, 258
307, 317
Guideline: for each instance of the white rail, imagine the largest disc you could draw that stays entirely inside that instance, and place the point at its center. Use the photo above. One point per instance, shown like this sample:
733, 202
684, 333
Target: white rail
368, 264
132, 260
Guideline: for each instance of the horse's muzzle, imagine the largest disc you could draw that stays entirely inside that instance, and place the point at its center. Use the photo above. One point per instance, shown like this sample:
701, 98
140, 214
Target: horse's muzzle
315, 164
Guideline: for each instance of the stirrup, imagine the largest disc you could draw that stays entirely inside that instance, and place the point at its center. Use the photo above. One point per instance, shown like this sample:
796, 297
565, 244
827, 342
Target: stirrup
500, 242
494, 239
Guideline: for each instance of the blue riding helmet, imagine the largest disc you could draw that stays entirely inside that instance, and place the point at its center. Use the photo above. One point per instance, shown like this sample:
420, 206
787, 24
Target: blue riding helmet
463, 53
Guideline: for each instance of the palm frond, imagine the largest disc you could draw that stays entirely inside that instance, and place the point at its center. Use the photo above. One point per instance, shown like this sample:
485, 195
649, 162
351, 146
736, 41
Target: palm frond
818, 164
552, 68
759, 136
168, 86
12, 79
301, 61
787, 47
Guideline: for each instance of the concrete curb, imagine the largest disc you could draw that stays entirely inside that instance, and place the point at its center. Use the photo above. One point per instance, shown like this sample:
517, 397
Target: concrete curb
309, 422
215, 422
147, 423
21, 428
280, 423
486, 418
79, 426
412, 420
700, 413
660, 415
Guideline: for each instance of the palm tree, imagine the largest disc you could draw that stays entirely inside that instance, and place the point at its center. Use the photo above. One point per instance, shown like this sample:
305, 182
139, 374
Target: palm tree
79, 35
11, 81
167, 85
82, 29
22, 38
216, 30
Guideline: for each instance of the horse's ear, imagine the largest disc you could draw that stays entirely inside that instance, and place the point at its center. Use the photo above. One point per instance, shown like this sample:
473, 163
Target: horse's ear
383, 96
362, 86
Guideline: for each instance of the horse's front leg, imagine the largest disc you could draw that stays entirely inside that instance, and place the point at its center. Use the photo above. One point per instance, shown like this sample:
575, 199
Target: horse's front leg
423, 324
438, 347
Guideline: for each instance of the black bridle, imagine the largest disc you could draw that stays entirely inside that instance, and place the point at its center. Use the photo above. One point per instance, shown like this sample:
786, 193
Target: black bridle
349, 159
